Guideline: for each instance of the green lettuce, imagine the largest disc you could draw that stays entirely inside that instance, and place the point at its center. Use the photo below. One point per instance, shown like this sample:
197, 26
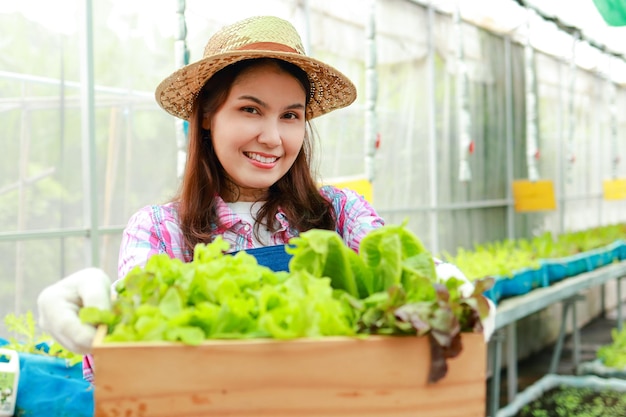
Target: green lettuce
219, 296
390, 287
393, 288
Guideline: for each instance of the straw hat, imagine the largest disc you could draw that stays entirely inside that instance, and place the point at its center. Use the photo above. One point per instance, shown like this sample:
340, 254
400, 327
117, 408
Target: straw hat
255, 37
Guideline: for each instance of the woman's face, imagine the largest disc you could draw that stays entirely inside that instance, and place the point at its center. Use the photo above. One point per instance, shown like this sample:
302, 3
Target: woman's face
259, 130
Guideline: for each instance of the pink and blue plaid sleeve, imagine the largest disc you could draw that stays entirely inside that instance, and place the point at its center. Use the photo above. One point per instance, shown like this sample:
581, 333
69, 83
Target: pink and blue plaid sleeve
150, 231
355, 216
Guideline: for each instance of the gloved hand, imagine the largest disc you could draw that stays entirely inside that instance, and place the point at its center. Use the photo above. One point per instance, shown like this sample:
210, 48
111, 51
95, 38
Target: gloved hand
59, 304
446, 271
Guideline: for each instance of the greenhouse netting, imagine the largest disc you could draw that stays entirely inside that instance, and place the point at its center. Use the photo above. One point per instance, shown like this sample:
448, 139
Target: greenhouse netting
455, 102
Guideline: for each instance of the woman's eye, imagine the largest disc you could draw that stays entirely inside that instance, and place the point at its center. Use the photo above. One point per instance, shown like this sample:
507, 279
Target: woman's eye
249, 110
291, 116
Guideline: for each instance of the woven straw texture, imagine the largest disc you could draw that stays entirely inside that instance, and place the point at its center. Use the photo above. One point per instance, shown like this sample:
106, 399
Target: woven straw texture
256, 37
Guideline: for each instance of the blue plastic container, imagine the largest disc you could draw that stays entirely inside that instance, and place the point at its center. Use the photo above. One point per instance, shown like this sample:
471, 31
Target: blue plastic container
522, 282
495, 292
619, 249
555, 269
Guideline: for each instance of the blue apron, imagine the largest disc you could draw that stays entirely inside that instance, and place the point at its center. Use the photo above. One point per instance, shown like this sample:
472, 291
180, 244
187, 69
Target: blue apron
273, 257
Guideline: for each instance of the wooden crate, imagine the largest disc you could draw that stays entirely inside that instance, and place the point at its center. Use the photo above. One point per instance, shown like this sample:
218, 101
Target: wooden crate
330, 377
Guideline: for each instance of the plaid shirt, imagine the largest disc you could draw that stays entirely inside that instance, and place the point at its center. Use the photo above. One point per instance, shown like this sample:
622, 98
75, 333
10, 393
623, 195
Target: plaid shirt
156, 229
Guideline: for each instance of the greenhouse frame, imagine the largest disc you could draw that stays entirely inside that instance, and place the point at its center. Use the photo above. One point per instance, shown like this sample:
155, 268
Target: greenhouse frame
455, 109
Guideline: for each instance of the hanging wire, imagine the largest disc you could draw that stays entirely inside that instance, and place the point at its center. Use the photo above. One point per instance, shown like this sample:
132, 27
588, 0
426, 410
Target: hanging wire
462, 102
181, 53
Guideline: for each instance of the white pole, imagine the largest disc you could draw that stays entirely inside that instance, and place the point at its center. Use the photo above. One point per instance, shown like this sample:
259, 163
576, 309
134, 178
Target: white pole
87, 99
571, 109
462, 106
371, 93
432, 134
532, 150
181, 54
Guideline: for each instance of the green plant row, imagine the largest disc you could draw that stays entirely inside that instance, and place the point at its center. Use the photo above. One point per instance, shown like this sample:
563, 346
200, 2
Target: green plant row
504, 258
28, 338
566, 401
613, 355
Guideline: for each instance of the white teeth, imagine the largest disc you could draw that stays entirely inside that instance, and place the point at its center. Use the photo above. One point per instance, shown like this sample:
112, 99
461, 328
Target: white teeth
261, 159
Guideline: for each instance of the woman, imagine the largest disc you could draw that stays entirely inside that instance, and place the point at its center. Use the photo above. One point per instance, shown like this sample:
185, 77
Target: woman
247, 177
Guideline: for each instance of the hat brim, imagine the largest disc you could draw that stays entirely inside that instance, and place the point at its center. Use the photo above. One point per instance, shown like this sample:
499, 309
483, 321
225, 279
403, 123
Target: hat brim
330, 89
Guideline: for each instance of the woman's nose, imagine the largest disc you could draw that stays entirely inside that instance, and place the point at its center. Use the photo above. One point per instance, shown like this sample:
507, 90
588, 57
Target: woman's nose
270, 134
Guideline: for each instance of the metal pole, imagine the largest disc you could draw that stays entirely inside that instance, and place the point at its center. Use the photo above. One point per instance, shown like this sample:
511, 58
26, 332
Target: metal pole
559, 156
571, 108
89, 160
532, 150
307, 27
511, 360
62, 148
619, 304
432, 133
22, 202
371, 92
508, 85
497, 339
613, 121
602, 137
182, 58
462, 106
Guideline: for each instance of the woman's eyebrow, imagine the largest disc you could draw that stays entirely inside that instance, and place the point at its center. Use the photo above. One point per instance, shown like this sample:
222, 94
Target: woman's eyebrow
295, 106
255, 99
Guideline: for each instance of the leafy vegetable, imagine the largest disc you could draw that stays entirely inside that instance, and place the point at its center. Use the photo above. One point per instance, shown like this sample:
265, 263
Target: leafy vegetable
29, 339
504, 258
614, 354
402, 293
324, 254
390, 288
219, 296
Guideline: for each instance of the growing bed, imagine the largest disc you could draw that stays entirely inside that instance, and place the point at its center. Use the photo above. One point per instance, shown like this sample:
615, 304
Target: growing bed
551, 381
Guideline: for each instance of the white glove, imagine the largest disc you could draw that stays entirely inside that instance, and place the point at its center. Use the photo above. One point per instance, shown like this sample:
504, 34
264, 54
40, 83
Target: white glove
60, 302
489, 322
446, 271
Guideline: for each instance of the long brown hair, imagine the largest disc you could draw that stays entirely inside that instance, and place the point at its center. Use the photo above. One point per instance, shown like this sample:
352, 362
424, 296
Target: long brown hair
296, 193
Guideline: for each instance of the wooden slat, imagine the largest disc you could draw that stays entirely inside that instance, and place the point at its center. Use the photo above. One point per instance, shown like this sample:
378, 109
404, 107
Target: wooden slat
377, 376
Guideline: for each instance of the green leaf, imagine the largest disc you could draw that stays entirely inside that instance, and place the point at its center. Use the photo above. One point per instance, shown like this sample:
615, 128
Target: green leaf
323, 253
171, 304
96, 316
187, 334
396, 256
150, 328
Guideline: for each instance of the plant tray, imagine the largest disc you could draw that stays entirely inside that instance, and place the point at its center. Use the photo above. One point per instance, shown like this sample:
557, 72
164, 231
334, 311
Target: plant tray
550, 381
334, 376
597, 367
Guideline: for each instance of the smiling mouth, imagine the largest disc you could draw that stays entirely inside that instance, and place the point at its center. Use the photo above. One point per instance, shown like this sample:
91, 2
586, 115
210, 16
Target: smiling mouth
260, 158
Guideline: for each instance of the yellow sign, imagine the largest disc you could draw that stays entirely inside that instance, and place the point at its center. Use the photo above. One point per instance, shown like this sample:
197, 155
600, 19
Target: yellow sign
614, 189
360, 185
533, 195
